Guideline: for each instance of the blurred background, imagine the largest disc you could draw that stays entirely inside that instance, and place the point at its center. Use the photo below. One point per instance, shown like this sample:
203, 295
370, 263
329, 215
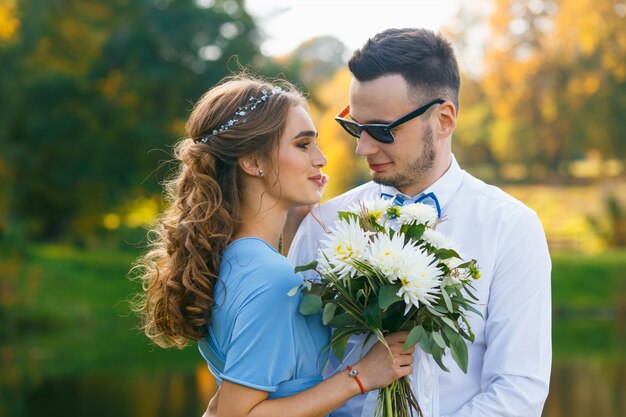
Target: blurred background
93, 94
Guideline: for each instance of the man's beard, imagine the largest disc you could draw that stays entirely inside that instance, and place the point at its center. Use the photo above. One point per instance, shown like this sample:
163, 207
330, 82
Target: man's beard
417, 168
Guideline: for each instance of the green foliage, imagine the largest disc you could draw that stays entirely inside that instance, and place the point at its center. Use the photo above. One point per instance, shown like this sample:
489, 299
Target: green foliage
372, 306
611, 226
310, 304
64, 316
69, 314
589, 283
91, 89
388, 295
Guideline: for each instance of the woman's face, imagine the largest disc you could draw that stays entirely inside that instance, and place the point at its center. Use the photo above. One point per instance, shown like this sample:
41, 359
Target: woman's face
297, 178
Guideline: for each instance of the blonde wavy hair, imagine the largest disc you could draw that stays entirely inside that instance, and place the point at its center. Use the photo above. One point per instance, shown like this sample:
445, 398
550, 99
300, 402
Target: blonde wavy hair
179, 271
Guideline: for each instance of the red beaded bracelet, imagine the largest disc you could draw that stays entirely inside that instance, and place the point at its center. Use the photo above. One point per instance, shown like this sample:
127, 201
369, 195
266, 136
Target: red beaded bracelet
353, 373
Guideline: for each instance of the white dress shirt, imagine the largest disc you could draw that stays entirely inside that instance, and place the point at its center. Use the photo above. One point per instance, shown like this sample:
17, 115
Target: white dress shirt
510, 359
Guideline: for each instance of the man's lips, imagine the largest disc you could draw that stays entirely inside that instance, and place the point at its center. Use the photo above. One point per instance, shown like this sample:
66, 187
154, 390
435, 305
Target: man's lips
379, 167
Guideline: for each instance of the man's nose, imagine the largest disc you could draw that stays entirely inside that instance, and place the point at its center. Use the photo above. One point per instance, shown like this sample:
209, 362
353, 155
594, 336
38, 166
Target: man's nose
366, 145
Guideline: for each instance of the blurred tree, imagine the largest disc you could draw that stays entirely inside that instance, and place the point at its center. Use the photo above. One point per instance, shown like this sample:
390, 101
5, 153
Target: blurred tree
555, 80
611, 226
313, 63
89, 88
316, 60
344, 169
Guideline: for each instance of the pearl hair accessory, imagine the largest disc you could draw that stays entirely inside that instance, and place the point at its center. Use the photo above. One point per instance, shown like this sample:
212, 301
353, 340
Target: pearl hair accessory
253, 103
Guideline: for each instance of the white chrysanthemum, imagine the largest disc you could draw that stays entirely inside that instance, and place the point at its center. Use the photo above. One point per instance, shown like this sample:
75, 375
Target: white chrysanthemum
417, 213
439, 240
386, 253
419, 276
455, 274
375, 207
453, 278
345, 243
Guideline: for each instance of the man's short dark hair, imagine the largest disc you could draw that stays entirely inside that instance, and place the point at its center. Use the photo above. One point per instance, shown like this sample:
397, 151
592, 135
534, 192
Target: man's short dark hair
425, 59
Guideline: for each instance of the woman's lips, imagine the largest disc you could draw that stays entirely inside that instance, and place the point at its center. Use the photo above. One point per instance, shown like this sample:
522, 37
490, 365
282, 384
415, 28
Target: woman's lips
317, 180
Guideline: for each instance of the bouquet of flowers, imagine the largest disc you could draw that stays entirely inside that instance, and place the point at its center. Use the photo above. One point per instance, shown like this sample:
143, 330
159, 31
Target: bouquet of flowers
376, 279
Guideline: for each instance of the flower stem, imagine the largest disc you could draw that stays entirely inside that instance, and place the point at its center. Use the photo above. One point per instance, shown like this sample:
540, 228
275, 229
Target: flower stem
388, 400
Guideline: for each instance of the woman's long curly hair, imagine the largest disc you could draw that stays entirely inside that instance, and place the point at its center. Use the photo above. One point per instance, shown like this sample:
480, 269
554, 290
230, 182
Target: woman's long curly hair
180, 269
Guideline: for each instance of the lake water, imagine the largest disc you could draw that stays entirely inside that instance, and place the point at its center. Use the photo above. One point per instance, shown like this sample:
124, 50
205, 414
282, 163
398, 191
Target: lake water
77, 374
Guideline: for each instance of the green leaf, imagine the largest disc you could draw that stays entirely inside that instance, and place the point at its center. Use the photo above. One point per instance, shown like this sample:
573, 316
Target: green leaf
306, 267
437, 354
446, 299
395, 320
450, 334
310, 304
434, 311
372, 313
426, 343
339, 340
339, 346
387, 295
294, 290
414, 232
342, 320
473, 310
346, 216
446, 254
329, 313
459, 353
449, 323
355, 287
471, 294
415, 335
316, 289
438, 339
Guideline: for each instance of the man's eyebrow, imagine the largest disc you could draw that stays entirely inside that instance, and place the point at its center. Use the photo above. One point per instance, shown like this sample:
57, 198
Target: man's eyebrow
306, 134
378, 122
372, 122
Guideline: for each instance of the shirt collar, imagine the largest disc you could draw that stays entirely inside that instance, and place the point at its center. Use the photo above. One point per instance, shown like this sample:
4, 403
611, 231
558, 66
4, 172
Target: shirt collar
444, 188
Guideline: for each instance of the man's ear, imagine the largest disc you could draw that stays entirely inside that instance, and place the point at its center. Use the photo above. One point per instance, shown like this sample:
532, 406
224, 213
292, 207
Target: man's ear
446, 119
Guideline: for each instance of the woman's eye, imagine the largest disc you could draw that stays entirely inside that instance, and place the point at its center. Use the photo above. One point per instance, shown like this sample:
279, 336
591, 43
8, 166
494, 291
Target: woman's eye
304, 145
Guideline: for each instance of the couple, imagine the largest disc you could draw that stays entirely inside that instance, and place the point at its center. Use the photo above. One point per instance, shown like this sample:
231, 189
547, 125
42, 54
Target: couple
251, 161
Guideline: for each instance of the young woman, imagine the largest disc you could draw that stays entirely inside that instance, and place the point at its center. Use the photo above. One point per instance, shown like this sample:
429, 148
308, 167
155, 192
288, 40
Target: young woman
214, 273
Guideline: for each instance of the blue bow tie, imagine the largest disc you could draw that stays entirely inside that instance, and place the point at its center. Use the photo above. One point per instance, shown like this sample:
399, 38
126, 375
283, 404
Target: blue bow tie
428, 199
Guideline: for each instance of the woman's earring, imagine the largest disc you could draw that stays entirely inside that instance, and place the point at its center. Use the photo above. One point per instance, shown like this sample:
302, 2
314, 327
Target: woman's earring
260, 174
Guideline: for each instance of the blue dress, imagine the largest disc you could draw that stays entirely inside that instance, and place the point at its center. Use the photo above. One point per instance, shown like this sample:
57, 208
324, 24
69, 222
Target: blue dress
257, 336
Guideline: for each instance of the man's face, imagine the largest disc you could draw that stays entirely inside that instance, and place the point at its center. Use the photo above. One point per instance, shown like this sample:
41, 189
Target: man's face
411, 156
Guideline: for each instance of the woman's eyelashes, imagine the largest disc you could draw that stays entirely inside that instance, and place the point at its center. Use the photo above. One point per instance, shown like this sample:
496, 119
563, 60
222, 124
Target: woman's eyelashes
304, 144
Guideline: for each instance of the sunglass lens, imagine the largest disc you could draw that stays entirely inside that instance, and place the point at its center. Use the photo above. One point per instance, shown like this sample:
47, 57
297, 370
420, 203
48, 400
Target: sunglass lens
380, 134
351, 128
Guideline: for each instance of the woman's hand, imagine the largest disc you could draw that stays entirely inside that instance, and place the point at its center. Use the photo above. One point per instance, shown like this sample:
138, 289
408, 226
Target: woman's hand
378, 368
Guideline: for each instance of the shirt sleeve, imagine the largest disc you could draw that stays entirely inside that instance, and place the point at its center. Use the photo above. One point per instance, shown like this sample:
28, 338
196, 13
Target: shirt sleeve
517, 361
261, 353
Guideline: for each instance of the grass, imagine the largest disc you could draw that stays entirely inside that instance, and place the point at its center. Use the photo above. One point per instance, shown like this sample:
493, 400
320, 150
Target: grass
586, 283
67, 311
64, 311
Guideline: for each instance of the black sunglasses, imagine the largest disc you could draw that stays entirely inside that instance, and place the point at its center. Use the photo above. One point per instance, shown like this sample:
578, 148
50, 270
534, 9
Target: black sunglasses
380, 132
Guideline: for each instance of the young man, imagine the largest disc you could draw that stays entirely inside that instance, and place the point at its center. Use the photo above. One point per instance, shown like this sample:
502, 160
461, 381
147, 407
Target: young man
413, 73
